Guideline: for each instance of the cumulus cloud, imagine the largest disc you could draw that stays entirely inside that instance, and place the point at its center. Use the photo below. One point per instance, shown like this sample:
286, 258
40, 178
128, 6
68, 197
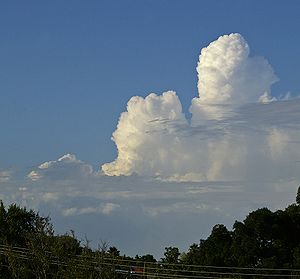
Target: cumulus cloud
266, 98
224, 138
227, 75
146, 129
66, 167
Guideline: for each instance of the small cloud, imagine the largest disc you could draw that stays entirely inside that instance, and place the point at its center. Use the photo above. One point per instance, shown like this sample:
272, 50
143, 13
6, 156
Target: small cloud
69, 158
109, 208
87, 210
35, 175
266, 98
50, 196
104, 209
46, 165
69, 211
5, 175
66, 167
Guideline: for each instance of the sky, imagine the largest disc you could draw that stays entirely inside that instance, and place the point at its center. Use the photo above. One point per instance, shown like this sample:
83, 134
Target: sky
145, 123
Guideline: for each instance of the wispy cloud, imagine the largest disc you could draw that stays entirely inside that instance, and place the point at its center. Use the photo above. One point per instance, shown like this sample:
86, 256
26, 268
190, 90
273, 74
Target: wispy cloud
134, 209
106, 208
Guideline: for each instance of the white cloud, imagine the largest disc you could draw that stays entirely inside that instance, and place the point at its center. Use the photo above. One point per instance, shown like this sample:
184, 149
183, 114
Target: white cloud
109, 207
69, 211
227, 75
266, 98
226, 139
66, 167
5, 175
143, 133
106, 209
34, 175
49, 196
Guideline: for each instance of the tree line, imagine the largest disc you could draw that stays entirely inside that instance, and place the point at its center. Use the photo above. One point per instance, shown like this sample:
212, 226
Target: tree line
29, 248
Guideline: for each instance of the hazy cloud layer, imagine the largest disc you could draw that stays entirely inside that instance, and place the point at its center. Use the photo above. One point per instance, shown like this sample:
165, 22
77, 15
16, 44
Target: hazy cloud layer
224, 139
141, 215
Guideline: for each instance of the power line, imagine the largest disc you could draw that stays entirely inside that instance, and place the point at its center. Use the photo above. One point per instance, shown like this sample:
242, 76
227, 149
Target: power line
151, 269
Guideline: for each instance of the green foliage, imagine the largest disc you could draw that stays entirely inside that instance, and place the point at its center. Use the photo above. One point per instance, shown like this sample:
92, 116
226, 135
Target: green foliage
264, 239
171, 255
215, 250
18, 223
22, 228
298, 196
146, 258
113, 251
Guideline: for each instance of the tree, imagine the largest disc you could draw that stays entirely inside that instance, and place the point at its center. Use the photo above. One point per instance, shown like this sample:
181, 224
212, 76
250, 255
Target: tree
192, 256
296, 257
17, 223
113, 251
215, 250
298, 196
30, 249
171, 255
24, 229
147, 258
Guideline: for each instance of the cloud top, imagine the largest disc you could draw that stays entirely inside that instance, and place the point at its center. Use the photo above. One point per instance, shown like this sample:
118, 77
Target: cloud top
227, 75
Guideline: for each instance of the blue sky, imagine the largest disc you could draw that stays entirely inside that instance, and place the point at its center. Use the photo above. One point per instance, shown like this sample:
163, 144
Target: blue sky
67, 71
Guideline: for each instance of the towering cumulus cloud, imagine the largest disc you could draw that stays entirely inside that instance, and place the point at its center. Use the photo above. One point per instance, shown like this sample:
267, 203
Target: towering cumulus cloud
145, 144
228, 76
154, 138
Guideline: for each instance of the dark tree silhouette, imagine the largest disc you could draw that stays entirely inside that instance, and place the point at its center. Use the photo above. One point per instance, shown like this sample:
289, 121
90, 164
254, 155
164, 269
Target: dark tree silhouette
298, 196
